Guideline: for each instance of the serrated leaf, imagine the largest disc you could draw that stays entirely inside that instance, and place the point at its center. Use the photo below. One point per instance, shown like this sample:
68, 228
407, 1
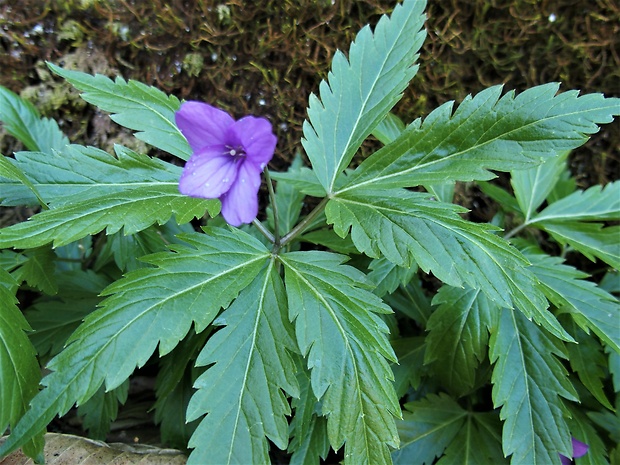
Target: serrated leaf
485, 133
148, 307
53, 319
242, 393
428, 427
591, 307
125, 250
361, 90
614, 367
412, 301
308, 429
387, 276
39, 269
19, 368
458, 336
388, 129
528, 381
591, 239
588, 361
408, 371
144, 191
533, 185
101, 409
594, 204
289, 202
133, 105
303, 180
22, 120
503, 198
12, 173
582, 429
477, 442
407, 226
345, 345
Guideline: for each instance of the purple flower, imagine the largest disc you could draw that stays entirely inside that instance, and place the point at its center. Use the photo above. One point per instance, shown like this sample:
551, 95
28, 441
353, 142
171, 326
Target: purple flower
579, 449
228, 158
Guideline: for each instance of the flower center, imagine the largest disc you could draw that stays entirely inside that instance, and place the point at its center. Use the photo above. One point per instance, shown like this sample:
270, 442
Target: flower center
235, 152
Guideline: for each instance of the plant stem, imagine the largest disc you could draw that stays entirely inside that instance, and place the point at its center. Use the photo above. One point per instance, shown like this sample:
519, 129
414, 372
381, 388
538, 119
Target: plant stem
274, 206
263, 230
514, 231
301, 226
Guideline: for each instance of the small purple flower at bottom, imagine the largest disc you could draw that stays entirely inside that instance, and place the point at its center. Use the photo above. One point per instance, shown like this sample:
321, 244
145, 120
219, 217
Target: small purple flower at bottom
227, 160
579, 449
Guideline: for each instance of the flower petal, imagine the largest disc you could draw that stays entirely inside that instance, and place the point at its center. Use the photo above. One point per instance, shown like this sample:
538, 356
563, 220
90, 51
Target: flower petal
240, 203
208, 173
579, 448
202, 125
256, 137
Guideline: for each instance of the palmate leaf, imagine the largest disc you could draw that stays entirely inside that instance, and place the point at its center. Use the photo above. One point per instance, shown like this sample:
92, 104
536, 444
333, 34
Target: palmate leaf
22, 120
19, 368
591, 307
485, 133
133, 105
345, 345
361, 90
527, 382
581, 428
149, 306
242, 393
428, 427
458, 336
84, 201
101, 410
408, 226
11, 173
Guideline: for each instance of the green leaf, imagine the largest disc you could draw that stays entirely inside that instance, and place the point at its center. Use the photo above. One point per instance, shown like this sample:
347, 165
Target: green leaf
506, 201
614, 367
19, 368
458, 336
85, 201
329, 239
12, 173
412, 301
568, 220
591, 307
477, 442
361, 90
407, 226
591, 239
308, 429
428, 427
485, 133
289, 202
527, 382
133, 105
345, 345
242, 392
408, 371
532, 186
22, 120
55, 318
302, 179
582, 429
102, 409
593, 204
388, 129
39, 270
148, 307
588, 361
387, 276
